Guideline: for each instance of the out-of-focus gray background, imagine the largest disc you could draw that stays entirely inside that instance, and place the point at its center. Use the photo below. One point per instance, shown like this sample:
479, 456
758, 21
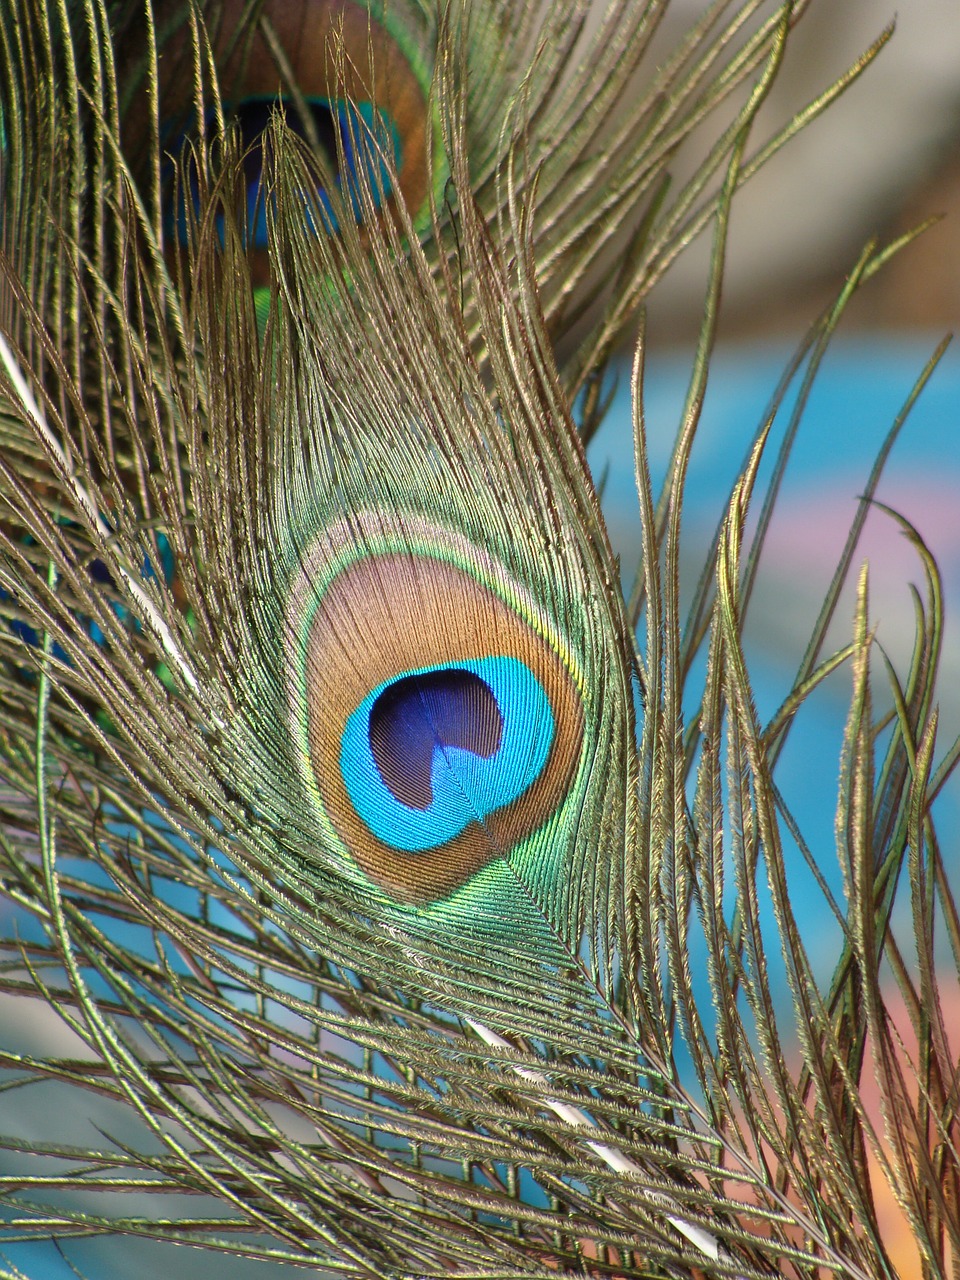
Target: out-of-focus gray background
881, 160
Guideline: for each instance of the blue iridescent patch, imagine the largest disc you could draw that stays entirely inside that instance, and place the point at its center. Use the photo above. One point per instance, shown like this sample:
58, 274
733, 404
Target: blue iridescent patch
101, 577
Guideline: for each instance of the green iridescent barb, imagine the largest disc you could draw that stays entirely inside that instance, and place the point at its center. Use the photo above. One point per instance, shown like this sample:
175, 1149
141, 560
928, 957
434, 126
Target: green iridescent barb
357, 825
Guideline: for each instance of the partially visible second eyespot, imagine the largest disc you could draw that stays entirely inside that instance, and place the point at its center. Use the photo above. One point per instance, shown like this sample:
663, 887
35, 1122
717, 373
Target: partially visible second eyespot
358, 98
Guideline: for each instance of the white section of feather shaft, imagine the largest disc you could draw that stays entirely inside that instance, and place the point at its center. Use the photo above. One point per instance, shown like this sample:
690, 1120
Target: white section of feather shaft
29, 403
614, 1159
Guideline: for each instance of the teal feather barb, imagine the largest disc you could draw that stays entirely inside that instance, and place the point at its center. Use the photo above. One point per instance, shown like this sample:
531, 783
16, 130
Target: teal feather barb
314, 658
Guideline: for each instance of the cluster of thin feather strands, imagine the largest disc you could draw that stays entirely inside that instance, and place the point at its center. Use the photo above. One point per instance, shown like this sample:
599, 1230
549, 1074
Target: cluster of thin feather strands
322, 1117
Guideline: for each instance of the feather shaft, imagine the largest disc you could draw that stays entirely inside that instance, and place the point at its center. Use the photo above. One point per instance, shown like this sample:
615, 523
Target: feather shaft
82, 495
577, 1118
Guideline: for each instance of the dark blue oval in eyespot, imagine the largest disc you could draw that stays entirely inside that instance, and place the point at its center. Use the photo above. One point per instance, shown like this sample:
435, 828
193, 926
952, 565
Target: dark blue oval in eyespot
432, 750
359, 140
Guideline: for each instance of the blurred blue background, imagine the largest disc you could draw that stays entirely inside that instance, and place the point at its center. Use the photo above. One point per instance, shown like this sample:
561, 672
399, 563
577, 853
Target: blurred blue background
862, 386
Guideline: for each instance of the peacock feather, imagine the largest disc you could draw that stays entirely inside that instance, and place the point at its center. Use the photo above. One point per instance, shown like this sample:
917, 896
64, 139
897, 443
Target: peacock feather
359, 827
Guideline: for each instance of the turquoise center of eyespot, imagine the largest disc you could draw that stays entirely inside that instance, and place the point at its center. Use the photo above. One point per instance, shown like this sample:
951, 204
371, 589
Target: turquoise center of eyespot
432, 750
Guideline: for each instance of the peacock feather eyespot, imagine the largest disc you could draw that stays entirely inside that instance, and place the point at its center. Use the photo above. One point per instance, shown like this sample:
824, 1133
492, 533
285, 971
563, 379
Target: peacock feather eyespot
349, 80
360, 143
360, 146
440, 719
